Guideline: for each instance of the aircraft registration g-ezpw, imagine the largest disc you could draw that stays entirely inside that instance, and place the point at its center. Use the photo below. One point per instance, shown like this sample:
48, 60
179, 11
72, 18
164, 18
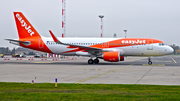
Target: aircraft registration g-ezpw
109, 49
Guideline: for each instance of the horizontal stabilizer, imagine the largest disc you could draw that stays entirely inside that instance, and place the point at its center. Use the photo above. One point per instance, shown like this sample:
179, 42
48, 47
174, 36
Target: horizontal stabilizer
17, 41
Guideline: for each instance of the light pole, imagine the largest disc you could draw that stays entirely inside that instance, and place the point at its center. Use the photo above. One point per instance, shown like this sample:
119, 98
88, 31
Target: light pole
125, 33
101, 17
63, 18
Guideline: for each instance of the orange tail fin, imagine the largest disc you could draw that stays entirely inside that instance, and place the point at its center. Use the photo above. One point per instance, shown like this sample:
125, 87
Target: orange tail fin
24, 27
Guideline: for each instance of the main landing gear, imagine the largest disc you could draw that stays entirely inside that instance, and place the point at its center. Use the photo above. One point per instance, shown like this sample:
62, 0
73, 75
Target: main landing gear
91, 61
149, 61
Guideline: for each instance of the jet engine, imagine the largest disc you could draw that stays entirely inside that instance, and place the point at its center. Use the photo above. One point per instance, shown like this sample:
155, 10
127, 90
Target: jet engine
112, 56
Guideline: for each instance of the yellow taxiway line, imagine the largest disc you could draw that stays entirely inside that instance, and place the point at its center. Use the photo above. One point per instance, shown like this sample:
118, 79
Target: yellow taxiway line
163, 61
101, 74
154, 65
173, 60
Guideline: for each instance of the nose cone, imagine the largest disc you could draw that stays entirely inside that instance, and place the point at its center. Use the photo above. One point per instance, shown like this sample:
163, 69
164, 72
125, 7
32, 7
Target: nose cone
170, 50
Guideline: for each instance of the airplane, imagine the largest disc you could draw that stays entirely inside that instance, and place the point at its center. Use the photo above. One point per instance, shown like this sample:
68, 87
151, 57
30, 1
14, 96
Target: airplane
108, 49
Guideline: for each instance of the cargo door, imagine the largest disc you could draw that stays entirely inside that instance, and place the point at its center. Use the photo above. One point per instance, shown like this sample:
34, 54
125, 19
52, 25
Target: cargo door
135, 50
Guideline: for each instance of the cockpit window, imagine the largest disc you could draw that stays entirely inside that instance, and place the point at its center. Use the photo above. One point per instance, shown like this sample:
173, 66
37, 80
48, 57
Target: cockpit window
162, 44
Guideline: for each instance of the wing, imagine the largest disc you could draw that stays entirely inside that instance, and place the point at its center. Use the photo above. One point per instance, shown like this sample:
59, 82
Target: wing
80, 48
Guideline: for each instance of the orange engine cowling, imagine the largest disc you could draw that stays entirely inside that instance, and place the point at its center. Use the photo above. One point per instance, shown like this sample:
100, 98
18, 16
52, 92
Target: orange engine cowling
113, 56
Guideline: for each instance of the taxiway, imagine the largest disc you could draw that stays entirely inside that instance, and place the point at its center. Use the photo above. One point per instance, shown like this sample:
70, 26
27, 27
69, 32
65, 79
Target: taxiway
134, 70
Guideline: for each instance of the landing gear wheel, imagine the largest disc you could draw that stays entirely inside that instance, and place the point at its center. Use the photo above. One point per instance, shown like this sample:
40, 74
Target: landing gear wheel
90, 61
96, 61
150, 62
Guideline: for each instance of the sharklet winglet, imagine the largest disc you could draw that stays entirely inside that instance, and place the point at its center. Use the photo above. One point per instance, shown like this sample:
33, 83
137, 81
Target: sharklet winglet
54, 38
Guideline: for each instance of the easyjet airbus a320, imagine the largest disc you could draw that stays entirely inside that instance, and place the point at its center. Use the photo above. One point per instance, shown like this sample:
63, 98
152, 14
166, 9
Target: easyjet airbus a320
109, 49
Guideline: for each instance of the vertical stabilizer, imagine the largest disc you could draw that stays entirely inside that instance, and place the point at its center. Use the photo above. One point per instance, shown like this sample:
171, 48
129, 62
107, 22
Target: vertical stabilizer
24, 27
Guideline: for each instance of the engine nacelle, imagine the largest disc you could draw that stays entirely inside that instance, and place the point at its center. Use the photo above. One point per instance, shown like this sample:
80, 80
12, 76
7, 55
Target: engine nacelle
112, 56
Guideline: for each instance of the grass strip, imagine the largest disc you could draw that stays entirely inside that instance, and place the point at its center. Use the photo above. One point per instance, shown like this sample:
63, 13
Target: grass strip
88, 92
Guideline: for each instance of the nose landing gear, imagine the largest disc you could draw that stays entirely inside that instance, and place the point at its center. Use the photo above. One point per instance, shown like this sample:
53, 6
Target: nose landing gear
149, 61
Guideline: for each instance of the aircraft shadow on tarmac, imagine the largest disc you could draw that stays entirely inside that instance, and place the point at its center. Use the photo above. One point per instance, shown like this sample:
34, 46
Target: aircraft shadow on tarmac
157, 61
135, 63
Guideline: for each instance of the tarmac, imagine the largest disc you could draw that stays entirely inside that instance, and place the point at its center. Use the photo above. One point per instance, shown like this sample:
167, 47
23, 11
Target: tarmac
165, 70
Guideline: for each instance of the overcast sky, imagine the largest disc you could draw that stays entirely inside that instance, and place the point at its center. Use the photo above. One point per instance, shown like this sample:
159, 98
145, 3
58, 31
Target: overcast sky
159, 19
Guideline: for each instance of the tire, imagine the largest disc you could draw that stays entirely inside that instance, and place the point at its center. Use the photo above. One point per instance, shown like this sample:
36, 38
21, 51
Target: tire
90, 61
96, 61
150, 62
